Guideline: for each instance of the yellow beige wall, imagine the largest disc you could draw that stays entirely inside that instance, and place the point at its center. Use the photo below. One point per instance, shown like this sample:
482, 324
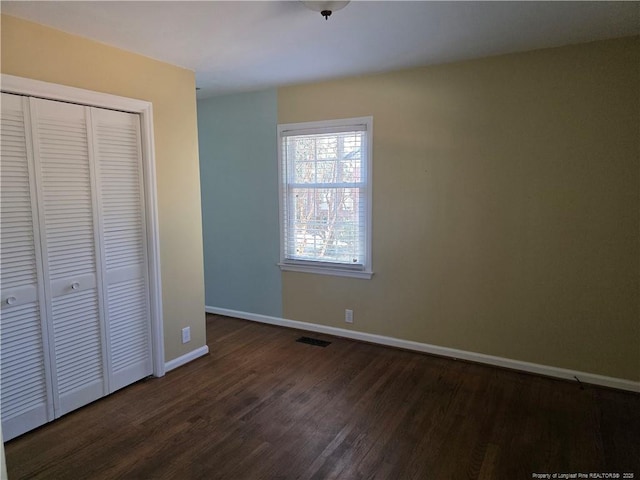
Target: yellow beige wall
41, 53
506, 206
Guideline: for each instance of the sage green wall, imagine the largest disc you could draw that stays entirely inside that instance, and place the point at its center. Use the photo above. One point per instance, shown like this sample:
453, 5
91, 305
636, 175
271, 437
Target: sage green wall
239, 185
506, 206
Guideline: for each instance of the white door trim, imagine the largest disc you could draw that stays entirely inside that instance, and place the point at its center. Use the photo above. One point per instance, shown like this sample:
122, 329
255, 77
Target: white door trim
52, 91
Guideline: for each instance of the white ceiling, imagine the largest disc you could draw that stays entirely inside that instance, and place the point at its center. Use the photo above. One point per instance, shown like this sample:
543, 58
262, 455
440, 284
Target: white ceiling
242, 46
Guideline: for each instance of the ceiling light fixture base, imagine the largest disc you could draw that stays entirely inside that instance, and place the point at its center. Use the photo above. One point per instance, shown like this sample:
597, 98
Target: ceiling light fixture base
325, 8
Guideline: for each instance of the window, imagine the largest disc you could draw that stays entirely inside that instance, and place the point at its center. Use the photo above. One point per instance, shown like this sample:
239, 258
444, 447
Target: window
325, 197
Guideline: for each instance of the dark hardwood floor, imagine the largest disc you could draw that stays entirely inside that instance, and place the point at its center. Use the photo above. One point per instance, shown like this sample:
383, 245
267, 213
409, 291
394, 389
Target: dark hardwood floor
262, 406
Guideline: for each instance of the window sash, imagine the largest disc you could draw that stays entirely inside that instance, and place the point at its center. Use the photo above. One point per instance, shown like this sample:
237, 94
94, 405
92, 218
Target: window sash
346, 237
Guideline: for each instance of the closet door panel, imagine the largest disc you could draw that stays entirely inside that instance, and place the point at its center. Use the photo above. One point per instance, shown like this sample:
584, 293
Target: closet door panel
119, 168
26, 402
63, 164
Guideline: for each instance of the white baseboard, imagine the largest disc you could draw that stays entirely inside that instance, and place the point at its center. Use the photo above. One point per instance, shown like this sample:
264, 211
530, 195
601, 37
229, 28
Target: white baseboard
536, 368
186, 358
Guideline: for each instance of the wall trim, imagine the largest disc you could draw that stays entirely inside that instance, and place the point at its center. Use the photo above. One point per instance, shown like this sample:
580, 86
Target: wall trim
186, 358
546, 370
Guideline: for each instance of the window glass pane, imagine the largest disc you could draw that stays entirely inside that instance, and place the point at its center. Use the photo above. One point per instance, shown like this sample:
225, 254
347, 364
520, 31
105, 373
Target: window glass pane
326, 147
328, 225
325, 158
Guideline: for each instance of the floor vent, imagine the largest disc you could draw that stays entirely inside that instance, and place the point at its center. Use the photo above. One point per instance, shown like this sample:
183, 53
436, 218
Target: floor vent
313, 341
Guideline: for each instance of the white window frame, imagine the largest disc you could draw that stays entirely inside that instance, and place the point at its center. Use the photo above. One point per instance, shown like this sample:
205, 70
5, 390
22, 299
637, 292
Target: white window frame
326, 268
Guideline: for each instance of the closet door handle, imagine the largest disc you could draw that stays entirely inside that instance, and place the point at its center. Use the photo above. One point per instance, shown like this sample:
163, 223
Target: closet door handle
11, 300
75, 286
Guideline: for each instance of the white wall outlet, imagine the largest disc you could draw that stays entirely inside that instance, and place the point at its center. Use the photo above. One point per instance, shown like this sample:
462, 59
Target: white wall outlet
186, 334
348, 316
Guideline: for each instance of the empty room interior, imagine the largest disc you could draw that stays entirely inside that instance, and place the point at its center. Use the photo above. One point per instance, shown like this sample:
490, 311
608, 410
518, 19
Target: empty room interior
321, 240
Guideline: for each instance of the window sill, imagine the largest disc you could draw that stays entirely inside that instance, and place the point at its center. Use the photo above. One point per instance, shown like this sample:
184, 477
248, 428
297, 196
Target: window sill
336, 272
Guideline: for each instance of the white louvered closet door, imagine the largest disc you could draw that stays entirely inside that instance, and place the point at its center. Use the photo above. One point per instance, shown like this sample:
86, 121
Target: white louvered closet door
25, 399
67, 208
75, 320
120, 186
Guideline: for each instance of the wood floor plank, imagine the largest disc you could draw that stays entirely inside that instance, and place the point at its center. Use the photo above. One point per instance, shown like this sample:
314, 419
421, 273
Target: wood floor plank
263, 406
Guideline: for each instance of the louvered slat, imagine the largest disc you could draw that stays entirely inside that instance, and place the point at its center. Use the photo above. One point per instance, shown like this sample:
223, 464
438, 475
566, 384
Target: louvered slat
119, 165
66, 187
128, 324
18, 266
78, 346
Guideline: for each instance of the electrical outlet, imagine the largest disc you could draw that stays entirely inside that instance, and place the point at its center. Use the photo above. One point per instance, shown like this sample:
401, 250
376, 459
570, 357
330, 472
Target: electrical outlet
348, 316
186, 334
